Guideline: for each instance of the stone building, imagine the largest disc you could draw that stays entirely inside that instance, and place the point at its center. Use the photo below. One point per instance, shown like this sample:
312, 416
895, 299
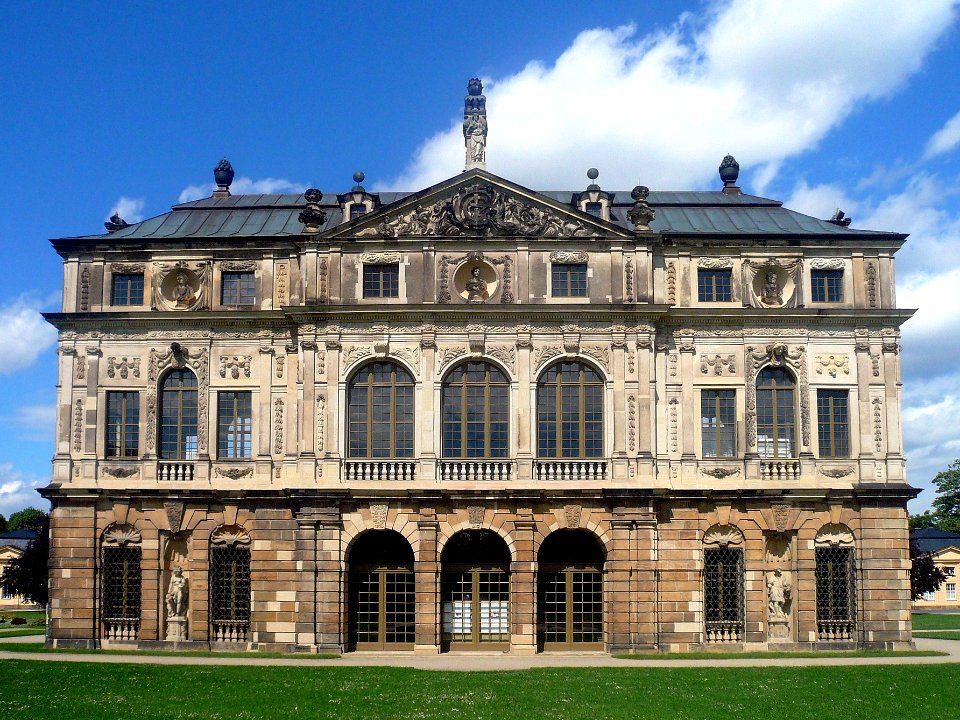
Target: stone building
479, 416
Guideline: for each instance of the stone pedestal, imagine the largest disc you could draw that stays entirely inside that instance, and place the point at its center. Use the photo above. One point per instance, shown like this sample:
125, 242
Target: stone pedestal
176, 629
778, 629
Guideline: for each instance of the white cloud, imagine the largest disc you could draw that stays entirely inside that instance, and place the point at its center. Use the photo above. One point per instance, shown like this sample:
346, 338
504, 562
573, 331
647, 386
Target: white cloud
945, 139
24, 334
763, 80
130, 209
821, 201
18, 490
36, 422
244, 186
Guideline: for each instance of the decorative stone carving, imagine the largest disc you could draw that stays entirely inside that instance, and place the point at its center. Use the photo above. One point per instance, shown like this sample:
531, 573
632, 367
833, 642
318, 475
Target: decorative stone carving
878, 424
641, 214
568, 256
671, 283
181, 286
475, 516
834, 534
779, 588
85, 289
230, 535
827, 264
723, 535
121, 534
632, 422
773, 282
674, 415
322, 273
312, 216
871, 285
178, 357
776, 355
78, 426
781, 517
234, 365
544, 353
507, 354
176, 604
832, 364
239, 266
80, 367
378, 516
279, 366
475, 125
672, 361
234, 473
123, 367
321, 421
720, 472
600, 353
174, 513
120, 472
875, 364
380, 258
572, 514
476, 270
449, 354
715, 263
127, 268
280, 284
717, 364
278, 426
836, 472
352, 353
628, 279
479, 209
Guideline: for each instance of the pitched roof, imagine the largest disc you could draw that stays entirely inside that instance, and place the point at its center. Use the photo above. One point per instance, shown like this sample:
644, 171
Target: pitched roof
930, 540
17, 538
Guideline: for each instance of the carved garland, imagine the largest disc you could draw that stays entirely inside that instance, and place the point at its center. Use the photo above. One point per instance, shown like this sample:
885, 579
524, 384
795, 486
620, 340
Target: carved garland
85, 289
827, 264
234, 365
720, 472
322, 296
120, 472
239, 266
718, 363
628, 279
871, 285
128, 268
321, 421
632, 421
718, 263
674, 432
281, 284
123, 367
234, 473
78, 426
568, 256
832, 364
380, 258
278, 426
671, 283
878, 424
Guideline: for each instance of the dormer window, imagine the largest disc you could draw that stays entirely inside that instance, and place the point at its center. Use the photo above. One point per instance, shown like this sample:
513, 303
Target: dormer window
595, 209
358, 202
356, 210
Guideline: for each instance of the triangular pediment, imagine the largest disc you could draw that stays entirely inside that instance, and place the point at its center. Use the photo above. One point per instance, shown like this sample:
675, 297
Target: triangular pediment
477, 204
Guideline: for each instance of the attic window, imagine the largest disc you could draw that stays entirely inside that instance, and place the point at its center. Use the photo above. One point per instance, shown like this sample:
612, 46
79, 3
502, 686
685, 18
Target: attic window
595, 209
356, 210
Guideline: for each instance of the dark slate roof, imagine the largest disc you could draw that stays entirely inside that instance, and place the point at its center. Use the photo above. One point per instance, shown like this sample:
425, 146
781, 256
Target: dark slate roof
930, 540
679, 213
17, 538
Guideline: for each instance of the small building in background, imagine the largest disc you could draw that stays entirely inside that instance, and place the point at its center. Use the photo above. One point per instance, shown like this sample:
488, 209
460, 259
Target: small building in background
12, 546
944, 546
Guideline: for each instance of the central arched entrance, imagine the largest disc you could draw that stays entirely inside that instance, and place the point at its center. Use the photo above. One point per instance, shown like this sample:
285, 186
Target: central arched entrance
475, 587
570, 591
381, 592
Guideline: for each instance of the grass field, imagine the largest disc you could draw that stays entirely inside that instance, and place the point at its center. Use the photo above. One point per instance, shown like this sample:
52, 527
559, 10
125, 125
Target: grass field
21, 630
41, 690
29, 615
935, 621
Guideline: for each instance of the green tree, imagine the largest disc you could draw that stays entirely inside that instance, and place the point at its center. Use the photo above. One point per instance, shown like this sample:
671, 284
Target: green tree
925, 576
29, 518
3, 524
923, 521
27, 575
946, 506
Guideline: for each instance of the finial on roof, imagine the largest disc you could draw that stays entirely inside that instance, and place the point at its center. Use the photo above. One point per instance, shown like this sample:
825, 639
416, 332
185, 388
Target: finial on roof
593, 174
115, 223
475, 125
641, 214
312, 216
358, 178
223, 177
729, 172
839, 218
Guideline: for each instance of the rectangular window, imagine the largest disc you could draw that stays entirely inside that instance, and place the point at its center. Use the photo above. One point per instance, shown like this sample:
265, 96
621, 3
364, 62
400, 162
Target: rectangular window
715, 285
127, 289
238, 288
950, 571
123, 424
952, 592
833, 426
826, 285
569, 280
356, 210
381, 281
595, 209
234, 425
718, 422
928, 596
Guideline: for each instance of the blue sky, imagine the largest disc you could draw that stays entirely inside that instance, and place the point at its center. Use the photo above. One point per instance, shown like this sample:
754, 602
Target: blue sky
824, 104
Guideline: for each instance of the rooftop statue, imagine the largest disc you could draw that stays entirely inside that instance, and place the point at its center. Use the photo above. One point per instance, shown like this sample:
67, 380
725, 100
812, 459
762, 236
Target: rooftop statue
475, 124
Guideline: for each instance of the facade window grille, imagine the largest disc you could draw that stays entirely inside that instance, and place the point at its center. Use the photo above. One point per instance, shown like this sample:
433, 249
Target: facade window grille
178, 416
569, 279
826, 285
123, 424
234, 425
776, 419
595, 209
380, 412
718, 423
230, 592
476, 410
121, 588
836, 592
723, 593
127, 289
357, 210
381, 281
570, 412
238, 288
833, 425
715, 285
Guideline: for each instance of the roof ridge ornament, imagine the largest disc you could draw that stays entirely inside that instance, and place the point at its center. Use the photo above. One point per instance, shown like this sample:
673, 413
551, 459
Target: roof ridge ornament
729, 172
641, 214
223, 177
475, 125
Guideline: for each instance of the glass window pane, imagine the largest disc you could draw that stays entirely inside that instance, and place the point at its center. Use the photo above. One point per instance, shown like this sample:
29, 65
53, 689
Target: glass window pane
123, 424
238, 288
381, 280
127, 289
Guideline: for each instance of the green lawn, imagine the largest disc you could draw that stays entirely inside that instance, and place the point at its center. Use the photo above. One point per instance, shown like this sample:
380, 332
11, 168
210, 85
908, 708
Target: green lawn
39, 690
935, 621
938, 634
21, 630
29, 615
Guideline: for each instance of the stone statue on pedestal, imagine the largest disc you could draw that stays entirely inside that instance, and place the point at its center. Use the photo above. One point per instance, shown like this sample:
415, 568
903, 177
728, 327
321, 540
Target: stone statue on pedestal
475, 124
176, 601
476, 286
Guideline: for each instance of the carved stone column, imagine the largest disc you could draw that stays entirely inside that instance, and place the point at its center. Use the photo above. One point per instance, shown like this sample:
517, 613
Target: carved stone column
646, 391
523, 589
334, 411
687, 411
426, 585
288, 415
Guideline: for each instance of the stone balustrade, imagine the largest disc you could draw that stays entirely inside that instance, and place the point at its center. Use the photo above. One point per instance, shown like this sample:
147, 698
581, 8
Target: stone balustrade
476, 470
174, 471
380, 470
587, 470
779, 470
828, 630
724, 631
230, 630
121, 628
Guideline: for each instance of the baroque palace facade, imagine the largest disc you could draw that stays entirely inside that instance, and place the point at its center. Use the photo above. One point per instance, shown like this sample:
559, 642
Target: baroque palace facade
477, 417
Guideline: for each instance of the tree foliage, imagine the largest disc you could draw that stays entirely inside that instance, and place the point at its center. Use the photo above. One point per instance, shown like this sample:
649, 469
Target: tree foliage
27, 575
923, 521
29, 518
946, 506
3, 523
925, 576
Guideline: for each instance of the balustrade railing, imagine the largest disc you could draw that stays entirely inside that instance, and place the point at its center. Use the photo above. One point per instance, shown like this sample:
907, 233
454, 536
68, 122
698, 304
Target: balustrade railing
121, 628
724, 631
835, 629
380, 470
173, 470
230, 630
476, 470
779, 470
571, 469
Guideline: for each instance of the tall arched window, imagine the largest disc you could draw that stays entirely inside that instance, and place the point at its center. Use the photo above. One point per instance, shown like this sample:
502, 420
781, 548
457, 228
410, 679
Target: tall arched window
776, 418
836, 580
229, 584
570, 412
476, 409
178, 416
380, 412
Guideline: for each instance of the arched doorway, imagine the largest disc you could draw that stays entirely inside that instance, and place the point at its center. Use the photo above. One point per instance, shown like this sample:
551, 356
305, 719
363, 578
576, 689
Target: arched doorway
570, 591
382, 600
475, 582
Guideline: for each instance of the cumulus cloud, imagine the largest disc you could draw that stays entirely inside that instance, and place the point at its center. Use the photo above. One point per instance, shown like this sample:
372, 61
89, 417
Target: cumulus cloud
945, 139
18, 490
24, 334
130, 209
244, 186
764, 80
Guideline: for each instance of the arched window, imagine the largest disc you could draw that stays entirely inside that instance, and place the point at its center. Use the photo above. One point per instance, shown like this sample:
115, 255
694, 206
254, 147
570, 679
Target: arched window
570, 412
776, 422
570, 591
723, 603
380, 412
836, 583
120, 582
230, 584
178, 416
382, 596
475, 589
476, 409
